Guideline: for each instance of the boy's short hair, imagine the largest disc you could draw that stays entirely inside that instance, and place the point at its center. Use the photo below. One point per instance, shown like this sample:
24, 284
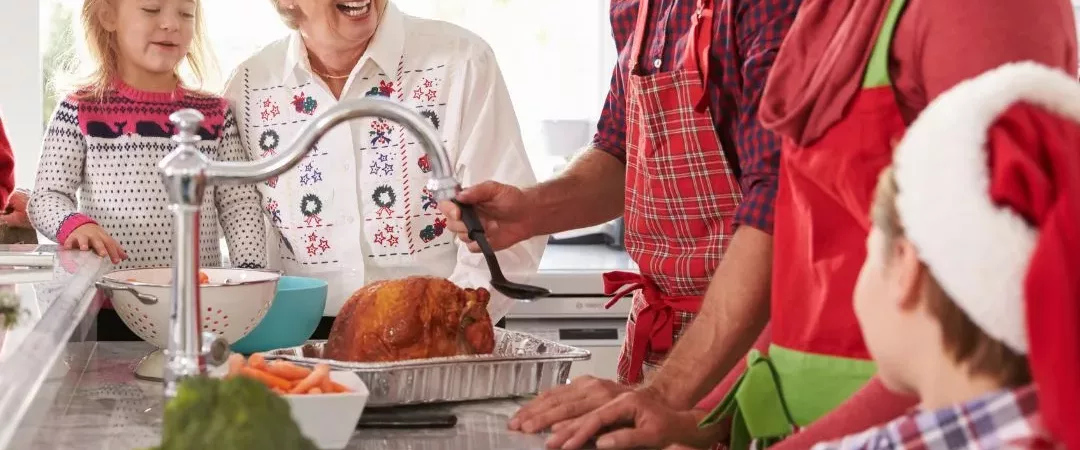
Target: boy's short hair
965, 342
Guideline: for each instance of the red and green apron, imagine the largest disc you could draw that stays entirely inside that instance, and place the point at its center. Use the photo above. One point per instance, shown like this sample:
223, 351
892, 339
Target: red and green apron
681, 196
818, 358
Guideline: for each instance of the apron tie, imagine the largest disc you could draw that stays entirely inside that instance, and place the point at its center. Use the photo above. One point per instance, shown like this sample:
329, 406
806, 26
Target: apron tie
756, 406
654, 327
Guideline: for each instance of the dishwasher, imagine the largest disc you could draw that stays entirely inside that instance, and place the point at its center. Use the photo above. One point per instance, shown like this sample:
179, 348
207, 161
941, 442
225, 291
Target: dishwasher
574, 314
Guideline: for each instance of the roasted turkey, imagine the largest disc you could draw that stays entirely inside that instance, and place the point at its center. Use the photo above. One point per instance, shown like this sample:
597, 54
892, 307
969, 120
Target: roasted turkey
411, 318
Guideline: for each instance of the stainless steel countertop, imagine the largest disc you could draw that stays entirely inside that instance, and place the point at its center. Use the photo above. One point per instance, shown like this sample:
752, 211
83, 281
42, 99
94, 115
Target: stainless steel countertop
59, 392
92, 401
54, 307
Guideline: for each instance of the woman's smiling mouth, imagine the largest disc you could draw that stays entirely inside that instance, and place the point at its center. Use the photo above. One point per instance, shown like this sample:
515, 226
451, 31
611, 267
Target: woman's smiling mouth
354, 8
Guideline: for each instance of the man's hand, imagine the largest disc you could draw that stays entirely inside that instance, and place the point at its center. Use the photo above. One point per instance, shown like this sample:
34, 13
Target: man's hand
92, 236
636, 419
581, 396
503, 210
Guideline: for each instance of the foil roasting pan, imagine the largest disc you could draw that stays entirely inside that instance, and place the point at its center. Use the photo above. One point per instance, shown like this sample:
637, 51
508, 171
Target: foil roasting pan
521, 365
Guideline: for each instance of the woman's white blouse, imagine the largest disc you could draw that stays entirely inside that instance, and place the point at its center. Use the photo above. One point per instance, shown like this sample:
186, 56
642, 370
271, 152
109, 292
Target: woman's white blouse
356, 210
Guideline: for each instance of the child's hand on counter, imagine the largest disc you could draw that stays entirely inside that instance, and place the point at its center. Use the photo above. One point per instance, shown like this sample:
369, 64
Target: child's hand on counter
92, 236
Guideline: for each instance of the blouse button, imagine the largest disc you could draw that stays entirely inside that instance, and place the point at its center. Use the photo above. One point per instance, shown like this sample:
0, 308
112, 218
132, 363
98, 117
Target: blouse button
656, 63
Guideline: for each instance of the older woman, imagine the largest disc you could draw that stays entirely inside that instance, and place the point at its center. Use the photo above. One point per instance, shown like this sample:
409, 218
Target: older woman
356, 210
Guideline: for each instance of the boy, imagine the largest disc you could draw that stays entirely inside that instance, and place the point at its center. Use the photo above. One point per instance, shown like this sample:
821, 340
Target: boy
969, 296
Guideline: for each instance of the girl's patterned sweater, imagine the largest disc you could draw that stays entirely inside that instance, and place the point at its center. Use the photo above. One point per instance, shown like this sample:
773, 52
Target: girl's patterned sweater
99, 165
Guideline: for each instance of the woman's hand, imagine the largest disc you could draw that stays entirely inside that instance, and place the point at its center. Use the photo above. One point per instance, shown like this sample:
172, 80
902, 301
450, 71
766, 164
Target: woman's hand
93, 236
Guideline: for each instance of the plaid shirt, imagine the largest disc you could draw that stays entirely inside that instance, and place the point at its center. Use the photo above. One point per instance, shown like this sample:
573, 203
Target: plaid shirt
1002, 420
741, 56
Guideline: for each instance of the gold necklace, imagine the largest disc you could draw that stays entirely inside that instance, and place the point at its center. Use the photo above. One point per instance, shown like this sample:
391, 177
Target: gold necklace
332, 77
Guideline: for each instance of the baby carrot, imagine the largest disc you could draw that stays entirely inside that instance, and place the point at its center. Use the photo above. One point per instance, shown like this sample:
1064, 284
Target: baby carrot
257, 361
288, 370
330, 387
315, 390
267, 379
236, 362
321, 372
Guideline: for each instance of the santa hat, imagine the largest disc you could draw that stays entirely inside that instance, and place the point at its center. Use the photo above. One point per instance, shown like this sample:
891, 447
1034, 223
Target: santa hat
989, 194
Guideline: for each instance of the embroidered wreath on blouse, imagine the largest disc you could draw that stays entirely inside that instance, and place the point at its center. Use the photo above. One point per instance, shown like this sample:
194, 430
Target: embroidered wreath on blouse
430, 115
272, 136
310, 205
384, 196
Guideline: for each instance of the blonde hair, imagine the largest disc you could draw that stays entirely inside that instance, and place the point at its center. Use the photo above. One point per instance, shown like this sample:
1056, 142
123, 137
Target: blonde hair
963, 340
96, 71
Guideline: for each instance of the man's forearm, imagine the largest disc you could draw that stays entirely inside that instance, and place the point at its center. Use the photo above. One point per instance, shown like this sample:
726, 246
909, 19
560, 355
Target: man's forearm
734, 312
589, 192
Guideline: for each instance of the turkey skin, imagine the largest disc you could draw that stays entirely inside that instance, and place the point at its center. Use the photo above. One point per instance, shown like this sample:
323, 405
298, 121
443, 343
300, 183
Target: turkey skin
411, 318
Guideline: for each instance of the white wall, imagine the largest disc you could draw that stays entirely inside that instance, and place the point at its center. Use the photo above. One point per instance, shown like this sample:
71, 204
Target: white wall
20, 84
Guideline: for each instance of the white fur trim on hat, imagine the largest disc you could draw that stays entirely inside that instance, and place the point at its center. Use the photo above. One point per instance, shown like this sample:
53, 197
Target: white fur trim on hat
979, 252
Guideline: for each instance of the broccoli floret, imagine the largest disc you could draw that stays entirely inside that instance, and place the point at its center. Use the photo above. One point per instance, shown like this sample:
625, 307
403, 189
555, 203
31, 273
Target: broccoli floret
231, 414
10, 312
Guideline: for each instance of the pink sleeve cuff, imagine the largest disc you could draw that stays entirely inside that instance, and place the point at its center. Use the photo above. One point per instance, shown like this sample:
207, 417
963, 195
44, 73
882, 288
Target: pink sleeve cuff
70, 224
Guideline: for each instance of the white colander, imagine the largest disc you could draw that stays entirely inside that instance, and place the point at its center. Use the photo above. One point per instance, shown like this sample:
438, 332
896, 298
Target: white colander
232, 304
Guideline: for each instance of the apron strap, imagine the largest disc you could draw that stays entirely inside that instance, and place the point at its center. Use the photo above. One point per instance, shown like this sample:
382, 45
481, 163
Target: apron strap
877, 68
697, 50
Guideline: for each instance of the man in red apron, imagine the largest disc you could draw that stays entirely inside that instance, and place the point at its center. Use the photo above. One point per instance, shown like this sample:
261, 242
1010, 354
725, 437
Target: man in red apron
680, 153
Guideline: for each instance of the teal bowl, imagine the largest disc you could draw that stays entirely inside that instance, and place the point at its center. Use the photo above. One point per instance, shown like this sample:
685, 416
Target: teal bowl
292, 318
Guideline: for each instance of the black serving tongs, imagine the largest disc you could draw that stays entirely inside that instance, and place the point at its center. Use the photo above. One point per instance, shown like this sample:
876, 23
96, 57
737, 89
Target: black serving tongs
498, 280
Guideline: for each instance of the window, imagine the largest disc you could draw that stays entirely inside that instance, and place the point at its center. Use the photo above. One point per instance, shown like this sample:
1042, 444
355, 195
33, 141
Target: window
556, 55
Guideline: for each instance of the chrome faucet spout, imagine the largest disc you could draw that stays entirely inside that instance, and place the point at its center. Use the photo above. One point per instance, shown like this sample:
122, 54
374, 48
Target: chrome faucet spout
186, 173
443, 182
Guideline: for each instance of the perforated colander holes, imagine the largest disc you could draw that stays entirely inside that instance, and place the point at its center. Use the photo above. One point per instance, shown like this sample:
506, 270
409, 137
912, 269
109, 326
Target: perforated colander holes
257, 318
143, 322
138, 321
215, 320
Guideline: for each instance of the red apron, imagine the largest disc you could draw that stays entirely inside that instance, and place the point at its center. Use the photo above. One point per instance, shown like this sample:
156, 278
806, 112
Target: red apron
681, 196
823, 216
818, 358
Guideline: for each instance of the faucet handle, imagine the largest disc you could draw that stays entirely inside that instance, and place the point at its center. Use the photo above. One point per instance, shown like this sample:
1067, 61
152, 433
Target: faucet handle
187, 123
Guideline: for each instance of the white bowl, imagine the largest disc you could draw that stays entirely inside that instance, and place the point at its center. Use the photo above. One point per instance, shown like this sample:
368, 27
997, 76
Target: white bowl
234, 302
329, 420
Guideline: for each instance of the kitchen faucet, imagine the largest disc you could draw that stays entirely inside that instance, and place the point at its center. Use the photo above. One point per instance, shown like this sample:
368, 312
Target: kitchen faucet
186, 173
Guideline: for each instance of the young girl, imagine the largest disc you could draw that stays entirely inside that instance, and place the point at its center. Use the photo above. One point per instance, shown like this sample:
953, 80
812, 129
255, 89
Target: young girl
106, 139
